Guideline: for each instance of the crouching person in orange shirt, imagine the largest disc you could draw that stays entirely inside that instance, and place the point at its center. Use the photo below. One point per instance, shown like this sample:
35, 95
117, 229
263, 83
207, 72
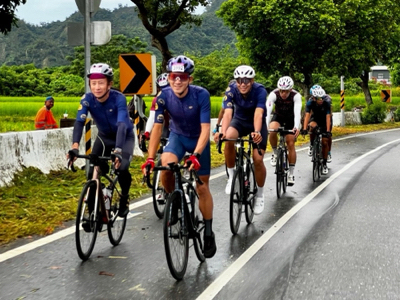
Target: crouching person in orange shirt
44, 117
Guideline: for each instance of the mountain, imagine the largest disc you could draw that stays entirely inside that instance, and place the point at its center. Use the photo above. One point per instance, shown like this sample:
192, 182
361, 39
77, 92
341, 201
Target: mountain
47, 46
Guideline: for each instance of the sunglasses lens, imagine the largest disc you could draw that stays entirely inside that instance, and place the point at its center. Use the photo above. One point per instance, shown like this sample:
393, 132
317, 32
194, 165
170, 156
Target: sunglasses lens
243, 80
178, 76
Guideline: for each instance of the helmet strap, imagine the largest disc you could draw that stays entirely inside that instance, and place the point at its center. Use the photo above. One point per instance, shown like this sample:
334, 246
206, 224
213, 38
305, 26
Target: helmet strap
100, 98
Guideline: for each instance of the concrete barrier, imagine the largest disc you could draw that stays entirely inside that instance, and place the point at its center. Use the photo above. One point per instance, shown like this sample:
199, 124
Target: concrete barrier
42, 149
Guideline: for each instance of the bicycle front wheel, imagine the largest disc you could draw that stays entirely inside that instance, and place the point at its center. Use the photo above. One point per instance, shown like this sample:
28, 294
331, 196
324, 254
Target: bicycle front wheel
251, 192
176, 241
158, 193
236, 200
86, 221
279, 170
116, 225
285, 169
315, 162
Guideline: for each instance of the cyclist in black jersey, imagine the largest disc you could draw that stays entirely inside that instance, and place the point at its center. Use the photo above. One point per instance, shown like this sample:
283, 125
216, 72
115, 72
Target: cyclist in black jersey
109, 110
287, 114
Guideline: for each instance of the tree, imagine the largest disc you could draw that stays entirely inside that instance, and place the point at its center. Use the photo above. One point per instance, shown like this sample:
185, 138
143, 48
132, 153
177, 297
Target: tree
7, 14
162, 17
369, 33
285, 36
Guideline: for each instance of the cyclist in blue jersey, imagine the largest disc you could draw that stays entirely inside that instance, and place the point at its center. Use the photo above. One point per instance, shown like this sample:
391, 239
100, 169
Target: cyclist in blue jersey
318, 113
287, 114
247, 98
327, 98
188, 107
109, 110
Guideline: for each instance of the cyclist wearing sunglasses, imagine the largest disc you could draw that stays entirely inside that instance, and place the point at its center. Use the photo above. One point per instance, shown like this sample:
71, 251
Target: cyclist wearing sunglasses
247, 97
189, 110
321, 116
326, 98
287, 114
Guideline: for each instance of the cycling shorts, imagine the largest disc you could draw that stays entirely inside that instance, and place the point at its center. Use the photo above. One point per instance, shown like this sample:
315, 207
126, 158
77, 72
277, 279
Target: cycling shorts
246, 128
179, 145
284, 121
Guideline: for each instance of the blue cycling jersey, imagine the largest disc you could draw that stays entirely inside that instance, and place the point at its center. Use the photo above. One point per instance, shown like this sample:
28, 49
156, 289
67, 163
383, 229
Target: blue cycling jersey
109, 116
187, 113
245, 107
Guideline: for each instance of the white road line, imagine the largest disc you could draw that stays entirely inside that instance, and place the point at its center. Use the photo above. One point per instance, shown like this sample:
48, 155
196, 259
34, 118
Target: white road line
63, 233
214, 288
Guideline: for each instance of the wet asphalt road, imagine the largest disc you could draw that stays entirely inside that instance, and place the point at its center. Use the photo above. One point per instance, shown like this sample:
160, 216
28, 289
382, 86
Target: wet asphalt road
334, 239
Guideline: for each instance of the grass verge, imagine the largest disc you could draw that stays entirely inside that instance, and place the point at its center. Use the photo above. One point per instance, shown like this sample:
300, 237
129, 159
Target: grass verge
37, 203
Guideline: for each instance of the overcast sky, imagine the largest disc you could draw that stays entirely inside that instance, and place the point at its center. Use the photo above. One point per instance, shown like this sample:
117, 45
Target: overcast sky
38, 11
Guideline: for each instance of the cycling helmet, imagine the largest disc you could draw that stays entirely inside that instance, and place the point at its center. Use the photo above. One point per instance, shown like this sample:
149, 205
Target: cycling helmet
285, 83
162, 80
180, 63
100, 70
244, 72
318, 92
315, 86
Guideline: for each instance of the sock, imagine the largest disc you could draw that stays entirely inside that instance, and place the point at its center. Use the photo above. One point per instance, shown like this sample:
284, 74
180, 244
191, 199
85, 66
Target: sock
291, 169
230, 172
260, 191
208, 227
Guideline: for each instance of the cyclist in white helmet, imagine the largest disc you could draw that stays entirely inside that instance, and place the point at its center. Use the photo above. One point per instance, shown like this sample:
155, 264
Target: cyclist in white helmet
320, 106
287, 114
248, 99
162, 83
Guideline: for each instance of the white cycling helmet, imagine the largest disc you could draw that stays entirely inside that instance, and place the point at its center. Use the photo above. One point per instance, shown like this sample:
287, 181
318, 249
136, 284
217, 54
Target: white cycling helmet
318, 92
100, 69
285, 83
244, 72
162, 80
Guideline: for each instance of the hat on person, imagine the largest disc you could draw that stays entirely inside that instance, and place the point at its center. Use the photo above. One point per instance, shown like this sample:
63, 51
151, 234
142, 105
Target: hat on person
49, 98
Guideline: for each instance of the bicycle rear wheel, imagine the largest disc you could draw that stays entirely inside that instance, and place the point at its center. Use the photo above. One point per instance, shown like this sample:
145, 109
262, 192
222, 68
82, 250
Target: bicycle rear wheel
279, 170
86, 221
116, 225
158, 193
176, 241
251, 192
198, 227
236, 200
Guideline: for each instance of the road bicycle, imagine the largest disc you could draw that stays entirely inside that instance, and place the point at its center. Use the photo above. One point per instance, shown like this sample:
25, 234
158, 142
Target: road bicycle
183, 220
244, 187
317, 158
158, 191
282, 162
98, 205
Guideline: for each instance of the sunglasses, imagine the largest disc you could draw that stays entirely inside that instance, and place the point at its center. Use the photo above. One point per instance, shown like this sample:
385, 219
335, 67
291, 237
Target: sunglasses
246, 81
318, 98
179, 76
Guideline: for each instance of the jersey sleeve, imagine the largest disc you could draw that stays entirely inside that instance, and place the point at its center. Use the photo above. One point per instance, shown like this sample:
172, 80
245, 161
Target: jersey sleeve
227, 102
270, 103
297, 110
159, 108
205, 106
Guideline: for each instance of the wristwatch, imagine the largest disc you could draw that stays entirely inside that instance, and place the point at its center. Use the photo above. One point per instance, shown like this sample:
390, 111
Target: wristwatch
197, 155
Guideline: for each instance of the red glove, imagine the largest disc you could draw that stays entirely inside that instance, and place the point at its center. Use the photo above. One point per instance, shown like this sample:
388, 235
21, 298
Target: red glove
146, 135
149, 162
195, 162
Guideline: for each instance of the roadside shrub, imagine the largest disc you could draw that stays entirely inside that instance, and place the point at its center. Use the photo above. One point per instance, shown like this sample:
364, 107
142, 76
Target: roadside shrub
374, 113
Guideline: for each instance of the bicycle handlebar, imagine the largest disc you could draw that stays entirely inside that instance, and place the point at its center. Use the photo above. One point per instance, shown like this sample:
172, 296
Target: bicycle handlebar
93, 159
282, 130
173, 167
249, 139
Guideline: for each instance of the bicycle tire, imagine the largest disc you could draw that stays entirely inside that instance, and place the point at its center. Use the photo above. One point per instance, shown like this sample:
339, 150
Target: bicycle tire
285, 169
279, 173
176, 242
158, 193
315, 160
116, 225
251, 193
87, 222
198, 227
236, 200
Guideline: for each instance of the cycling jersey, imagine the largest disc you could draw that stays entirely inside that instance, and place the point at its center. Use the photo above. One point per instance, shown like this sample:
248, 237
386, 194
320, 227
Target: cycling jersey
245, 107
111, 117
319, 112
285, 108
187, 113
